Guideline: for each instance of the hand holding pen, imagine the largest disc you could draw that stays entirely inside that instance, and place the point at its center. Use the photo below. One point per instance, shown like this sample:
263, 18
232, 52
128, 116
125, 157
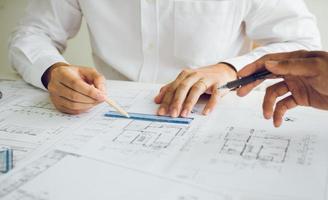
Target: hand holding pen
304, 74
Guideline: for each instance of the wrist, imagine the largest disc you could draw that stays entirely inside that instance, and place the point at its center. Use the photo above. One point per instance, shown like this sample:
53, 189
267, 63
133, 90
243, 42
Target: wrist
46, 77
227, 69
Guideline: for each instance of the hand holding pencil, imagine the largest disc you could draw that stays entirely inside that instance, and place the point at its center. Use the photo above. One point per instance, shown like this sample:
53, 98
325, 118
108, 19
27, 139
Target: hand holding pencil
75, 89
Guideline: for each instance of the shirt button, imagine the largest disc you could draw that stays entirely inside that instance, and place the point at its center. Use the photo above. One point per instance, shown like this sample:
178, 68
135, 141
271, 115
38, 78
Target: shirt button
150, 46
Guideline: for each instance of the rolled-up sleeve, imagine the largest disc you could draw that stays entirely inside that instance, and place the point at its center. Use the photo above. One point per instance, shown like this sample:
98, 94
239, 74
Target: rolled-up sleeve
278, 26
41, 37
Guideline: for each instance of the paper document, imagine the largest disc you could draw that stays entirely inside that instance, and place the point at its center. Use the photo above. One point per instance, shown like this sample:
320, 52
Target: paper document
232, 154
29, 123
70, 176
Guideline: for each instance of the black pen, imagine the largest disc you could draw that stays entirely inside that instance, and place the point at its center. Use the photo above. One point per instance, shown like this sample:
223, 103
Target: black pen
246, 80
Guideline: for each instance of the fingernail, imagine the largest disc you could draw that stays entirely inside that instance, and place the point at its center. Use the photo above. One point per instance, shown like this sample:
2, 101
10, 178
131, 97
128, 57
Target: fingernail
277, 124
184, 113
267, 115
271, 63
174, 113
156, 99
162, 111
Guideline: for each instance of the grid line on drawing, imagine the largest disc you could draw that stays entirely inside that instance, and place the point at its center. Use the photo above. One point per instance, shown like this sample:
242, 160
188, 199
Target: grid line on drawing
149, 134
252, 145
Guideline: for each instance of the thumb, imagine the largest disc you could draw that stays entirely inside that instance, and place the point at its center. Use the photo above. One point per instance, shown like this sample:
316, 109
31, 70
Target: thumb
305, 67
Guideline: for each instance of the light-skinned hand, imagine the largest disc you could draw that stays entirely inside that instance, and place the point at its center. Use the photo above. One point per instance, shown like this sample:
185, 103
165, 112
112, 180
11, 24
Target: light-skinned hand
74, 90
180, 96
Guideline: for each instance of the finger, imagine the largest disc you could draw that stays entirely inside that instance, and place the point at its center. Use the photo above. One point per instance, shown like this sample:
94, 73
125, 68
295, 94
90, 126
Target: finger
196, 91
100, 83
169, 94
64, 102
69, 79
260, 63
272, 93
212, 101
65, 110
181, 94
93, 77
164, 107
251, 68
159, 98
59, 89
246, 89
281, 108
307, 67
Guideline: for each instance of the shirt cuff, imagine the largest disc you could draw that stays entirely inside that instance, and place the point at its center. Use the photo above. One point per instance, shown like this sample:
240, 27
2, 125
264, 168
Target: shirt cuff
41, 65
240, 62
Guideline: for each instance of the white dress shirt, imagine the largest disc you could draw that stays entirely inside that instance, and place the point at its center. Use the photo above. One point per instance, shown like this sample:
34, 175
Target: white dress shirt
153, 40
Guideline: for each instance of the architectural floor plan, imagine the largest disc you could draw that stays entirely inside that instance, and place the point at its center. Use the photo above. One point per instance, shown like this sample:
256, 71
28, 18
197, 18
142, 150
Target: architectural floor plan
232, 154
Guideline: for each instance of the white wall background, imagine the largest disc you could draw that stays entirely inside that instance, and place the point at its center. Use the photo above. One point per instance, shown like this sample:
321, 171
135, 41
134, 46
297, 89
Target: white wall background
79, 51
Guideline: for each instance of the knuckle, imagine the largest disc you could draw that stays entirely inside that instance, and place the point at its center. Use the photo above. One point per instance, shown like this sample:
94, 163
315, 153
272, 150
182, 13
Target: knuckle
171, 89
188, 103
185, 71
184, 86
281, 107
91, 93
269, 90
74, 83
197, 87
196, 73
176, 102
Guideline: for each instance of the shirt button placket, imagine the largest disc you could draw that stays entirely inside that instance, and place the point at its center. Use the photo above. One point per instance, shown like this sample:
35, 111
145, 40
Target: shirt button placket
149, 28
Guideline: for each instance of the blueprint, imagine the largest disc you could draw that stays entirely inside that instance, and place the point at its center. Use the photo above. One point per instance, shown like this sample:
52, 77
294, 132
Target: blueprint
232, 154
96, 179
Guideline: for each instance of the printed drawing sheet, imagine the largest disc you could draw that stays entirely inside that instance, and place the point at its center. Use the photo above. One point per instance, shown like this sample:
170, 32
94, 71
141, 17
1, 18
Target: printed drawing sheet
28, 120
232, 154
29, 123
62, 175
